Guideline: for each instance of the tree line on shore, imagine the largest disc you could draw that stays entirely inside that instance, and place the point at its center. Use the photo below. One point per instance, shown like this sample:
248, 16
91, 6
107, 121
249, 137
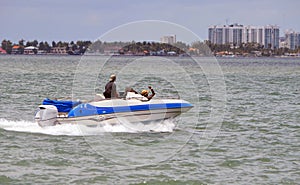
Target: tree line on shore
147, 48
79, 46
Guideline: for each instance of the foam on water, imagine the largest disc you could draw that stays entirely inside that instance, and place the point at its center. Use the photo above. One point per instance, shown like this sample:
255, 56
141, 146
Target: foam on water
82, 130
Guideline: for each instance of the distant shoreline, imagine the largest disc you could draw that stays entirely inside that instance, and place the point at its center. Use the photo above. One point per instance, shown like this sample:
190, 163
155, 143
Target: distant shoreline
144, 48
99, 55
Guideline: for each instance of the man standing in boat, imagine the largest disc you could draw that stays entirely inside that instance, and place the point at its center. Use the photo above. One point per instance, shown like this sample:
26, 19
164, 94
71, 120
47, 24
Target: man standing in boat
110, 88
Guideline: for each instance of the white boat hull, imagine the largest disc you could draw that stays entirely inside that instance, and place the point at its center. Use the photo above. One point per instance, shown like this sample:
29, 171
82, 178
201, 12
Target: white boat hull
113, 112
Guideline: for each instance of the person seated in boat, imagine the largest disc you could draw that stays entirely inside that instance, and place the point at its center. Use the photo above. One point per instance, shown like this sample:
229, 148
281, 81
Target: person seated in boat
145, 93
110, 88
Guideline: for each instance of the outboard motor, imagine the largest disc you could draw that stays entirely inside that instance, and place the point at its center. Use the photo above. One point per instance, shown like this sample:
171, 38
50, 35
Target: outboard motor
46, 115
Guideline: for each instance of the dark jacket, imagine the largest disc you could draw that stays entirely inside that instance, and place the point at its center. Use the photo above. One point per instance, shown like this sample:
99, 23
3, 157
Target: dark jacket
110, 90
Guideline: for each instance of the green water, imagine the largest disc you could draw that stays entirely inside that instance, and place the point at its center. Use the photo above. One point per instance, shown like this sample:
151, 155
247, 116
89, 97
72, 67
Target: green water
257, 142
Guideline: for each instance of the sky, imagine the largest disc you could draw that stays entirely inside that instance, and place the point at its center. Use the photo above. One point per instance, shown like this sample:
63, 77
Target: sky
72, 20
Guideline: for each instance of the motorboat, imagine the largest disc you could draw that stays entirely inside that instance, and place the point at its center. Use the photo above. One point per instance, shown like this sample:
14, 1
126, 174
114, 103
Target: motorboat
131, 109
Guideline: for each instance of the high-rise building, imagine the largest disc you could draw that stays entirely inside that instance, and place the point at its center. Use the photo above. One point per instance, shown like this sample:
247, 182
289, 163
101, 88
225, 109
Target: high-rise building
292, 39
231, 34
271, 37
253, 34
169, 39
237, 34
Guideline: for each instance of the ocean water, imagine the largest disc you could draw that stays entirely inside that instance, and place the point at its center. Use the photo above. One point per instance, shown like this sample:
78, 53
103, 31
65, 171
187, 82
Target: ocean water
244, 127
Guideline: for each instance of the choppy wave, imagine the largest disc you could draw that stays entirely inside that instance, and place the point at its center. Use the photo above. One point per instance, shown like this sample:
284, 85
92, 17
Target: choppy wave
82, 130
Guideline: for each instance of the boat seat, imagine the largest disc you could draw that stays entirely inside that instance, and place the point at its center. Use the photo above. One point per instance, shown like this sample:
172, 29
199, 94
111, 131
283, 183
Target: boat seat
99, 97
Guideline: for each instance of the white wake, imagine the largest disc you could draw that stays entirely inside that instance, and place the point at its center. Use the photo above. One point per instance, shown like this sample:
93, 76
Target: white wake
82, 130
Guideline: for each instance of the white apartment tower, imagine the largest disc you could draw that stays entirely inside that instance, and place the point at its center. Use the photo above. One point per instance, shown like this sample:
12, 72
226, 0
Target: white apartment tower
231, 34
292, 39
253, 34
236, 34
169, 39
271, 36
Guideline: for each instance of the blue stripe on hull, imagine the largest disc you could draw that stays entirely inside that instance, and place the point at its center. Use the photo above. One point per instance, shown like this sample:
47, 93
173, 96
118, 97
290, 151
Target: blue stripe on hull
88, 110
